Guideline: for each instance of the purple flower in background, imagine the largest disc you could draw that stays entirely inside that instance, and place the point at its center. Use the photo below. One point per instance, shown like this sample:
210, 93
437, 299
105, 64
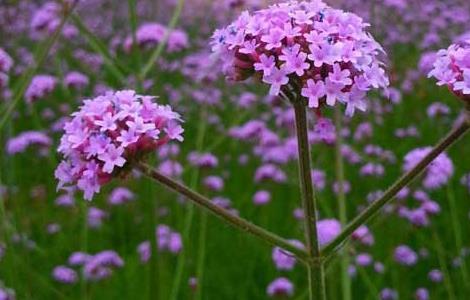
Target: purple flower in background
214, 183
309, 42
363, 235
93, 145
7, 294
76, 80
437, 109
261, 197
120, 195
318, 179
438, 172
40, 87
96, 217
364, 259
284, 260
170, 168
19, 143
422, 294
203, 160
388, 294
465, 181
327, 230
64, 274
435, 275
280, 287
6, 62
168, 240
101, 265
78, 258
325, 130
405, 256
150, 34
145, 251
270, 172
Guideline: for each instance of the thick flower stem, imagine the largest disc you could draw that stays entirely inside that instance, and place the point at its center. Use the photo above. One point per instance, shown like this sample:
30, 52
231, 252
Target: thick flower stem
315, 265
222, 213
375, 207
339, 170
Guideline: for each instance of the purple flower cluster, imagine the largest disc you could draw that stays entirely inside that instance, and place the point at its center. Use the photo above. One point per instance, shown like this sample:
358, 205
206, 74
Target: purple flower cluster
327, 230
6, 62
322, 53
7, 294
40, 87
19, 143
284, 260
65, 274
280, 287
151, 34
168, 240
76, 80
95, 267
47, 18
101, 265
404, 255
108, 133
452, 68
120, 195
438, 172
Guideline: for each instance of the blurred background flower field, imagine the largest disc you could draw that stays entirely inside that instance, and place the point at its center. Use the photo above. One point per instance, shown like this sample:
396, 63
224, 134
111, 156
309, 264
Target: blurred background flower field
137, 240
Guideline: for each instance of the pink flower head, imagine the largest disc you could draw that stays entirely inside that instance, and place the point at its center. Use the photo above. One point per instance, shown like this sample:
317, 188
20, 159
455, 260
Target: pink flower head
452, 68
110, 132
308, 48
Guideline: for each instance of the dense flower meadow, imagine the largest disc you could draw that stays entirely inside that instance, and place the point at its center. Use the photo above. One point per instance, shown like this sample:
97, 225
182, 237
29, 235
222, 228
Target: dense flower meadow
125, 124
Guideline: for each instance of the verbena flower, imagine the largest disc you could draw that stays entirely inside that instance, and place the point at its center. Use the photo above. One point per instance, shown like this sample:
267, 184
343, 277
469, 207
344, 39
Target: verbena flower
328, 230
6, 62
40, 87
120, 195
25, 139
110, 132
435, 275
65, 275
76, 80
404, 255
452, 68
438, 172
284, 260
101, 265
261, 197
309, 48
280, 287
151, 34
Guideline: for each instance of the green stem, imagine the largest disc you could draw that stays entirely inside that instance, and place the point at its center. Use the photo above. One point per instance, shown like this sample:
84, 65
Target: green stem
188, 221
443, 266
202, 254
220, 212
456, 228
345, 279
375, 207
316, 275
